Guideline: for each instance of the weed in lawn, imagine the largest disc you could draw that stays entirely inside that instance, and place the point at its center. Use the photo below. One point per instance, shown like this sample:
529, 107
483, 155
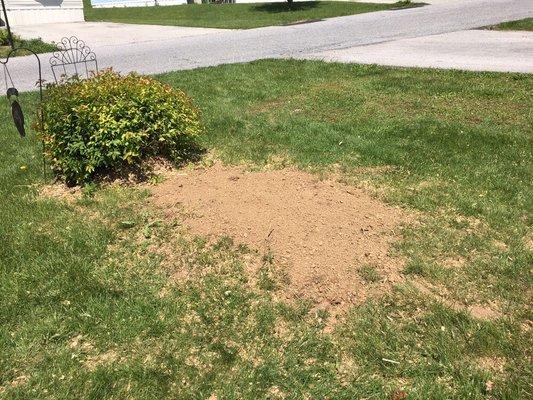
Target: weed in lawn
369, 273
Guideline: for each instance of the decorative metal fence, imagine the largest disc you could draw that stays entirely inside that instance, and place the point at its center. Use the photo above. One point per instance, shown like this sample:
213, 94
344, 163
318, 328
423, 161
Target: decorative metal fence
73, 57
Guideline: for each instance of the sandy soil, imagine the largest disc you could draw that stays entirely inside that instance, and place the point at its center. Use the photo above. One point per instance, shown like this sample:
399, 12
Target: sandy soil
321, 232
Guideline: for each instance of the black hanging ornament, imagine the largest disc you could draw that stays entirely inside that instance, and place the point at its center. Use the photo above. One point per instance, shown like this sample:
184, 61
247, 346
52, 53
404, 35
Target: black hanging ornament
13, 99
12, 96
16, 110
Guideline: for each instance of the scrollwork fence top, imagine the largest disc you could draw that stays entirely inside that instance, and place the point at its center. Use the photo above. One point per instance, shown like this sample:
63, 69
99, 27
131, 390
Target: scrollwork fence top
73, 52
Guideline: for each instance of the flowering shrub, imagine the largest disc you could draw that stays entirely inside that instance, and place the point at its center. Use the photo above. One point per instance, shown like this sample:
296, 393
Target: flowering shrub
110, 121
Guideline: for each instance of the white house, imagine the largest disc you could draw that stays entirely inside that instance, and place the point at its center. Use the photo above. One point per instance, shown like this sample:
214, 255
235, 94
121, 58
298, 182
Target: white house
25, 12
147, 3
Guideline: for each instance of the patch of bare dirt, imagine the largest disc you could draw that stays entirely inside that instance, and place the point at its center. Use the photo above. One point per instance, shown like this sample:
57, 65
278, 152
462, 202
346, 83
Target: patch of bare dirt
528, 243
60, 191
526, 326
485, 312
320, 231
454, 262
492, 364
94, 361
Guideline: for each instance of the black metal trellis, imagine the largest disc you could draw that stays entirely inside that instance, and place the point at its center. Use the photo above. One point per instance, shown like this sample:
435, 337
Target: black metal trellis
73, 56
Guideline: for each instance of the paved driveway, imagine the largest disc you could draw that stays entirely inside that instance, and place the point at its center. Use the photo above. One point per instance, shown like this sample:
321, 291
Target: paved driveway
307, 40
474, 50
98, 34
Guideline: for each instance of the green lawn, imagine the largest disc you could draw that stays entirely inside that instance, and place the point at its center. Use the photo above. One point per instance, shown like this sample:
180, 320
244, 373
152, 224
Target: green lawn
243, 16
36, 45
90, 309
525, 24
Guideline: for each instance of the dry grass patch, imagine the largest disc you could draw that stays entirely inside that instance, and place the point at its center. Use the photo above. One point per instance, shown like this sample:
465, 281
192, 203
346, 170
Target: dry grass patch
487, 312
60, 191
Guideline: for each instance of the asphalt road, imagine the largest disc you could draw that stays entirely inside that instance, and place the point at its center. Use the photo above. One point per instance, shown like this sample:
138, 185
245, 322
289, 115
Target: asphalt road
232, 46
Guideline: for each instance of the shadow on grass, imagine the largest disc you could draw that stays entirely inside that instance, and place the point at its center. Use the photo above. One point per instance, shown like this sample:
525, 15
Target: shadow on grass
400, 5
286, 7
186, 152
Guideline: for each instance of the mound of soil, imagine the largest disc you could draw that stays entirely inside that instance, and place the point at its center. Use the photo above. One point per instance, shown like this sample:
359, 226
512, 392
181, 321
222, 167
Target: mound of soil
321, 232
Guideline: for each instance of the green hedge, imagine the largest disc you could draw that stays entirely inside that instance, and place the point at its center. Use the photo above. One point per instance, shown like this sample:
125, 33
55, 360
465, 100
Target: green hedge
109, 121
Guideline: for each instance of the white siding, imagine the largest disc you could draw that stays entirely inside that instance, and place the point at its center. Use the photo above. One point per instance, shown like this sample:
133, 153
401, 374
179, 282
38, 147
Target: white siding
43, 4
136, 3
25, 12
150, 3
